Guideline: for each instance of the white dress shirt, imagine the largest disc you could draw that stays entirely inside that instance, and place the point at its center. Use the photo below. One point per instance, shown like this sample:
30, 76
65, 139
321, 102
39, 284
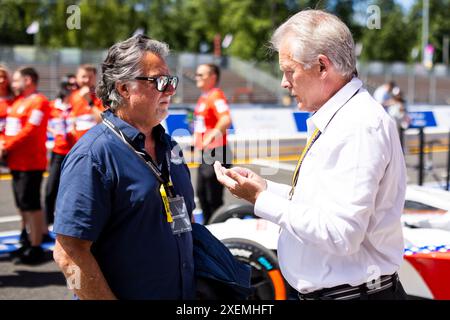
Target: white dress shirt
342, 225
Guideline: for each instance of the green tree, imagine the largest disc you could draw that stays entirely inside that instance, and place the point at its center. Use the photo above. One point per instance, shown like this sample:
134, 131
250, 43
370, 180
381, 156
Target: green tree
345, 10
393, 41
103, 22
15, 17
439, 25
163, 21
184, 24
252, 23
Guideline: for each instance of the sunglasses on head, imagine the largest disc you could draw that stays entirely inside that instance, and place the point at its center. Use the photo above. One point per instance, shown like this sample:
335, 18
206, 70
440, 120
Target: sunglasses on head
162, 82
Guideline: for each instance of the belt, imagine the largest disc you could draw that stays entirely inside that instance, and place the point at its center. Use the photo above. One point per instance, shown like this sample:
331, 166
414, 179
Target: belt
346, 292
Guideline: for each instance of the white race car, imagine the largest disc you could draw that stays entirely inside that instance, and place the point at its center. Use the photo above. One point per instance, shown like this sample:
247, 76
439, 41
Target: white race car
425, 272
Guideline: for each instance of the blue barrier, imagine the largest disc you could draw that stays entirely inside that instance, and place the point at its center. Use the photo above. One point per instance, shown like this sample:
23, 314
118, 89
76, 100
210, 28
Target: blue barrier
421, 116
180, 123
300, 120
422, 119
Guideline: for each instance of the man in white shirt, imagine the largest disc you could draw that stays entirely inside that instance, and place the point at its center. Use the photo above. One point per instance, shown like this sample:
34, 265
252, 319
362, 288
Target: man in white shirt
384, 93
341, 235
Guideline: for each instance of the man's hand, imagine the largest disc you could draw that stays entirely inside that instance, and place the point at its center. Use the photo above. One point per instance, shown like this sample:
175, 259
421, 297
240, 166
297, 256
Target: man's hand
242, 183
216, 134
213, 135
85, 92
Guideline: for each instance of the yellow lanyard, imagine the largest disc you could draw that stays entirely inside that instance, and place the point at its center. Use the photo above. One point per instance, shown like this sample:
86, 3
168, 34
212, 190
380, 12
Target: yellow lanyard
308, 146
165, 200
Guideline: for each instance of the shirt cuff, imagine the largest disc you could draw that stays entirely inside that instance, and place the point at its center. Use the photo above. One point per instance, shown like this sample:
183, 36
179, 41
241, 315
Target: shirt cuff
279, 189
270, 206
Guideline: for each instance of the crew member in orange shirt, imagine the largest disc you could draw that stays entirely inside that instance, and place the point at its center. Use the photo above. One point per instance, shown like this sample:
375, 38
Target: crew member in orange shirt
86, 107
6, 99
26, 156
211, 121
60, 125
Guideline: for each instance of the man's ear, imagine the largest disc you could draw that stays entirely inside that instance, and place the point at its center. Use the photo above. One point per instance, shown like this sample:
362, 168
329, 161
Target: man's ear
123, 89
321, 66
324, 64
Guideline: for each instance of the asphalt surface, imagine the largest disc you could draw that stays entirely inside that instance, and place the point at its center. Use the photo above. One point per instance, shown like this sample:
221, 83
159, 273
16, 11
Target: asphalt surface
45, 281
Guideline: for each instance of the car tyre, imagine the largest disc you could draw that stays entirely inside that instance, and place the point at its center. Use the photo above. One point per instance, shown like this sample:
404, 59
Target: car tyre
240, 211
266, 280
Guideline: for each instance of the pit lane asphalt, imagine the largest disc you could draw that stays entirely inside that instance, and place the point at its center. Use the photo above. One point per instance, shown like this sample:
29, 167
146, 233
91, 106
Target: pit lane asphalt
45, 281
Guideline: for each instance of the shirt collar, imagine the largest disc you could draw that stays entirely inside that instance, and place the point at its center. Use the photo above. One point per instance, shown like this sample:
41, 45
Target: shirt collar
131, 132
322, 117
207, 93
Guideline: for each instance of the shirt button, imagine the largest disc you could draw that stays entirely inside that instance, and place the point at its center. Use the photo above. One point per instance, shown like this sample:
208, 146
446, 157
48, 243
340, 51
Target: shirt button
141, 137
184, 265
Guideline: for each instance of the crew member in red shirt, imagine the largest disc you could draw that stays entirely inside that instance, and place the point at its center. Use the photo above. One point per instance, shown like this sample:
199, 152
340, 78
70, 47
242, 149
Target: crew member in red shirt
6, 98
60, 125
211, 121
86, 107
26, 156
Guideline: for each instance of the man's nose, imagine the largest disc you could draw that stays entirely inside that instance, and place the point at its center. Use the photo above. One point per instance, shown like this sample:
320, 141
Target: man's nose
170, 91
285, 83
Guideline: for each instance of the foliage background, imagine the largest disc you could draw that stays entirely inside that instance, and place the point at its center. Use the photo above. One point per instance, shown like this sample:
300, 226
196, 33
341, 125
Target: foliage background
187, 24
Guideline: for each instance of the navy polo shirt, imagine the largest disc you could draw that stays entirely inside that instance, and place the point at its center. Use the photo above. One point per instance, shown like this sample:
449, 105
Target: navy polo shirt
108, 195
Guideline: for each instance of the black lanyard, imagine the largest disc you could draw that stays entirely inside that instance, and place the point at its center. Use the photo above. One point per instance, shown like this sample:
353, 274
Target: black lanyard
162, 177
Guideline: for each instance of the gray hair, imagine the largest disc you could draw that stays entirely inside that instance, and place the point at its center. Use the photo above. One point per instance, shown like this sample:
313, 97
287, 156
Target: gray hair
315, 32
123, 63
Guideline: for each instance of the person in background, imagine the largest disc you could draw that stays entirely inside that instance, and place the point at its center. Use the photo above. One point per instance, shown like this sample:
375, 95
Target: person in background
86, 107
26, 152
211, 121
384, 93
6, 99
340, 219
71, 80
397, 109
61, 127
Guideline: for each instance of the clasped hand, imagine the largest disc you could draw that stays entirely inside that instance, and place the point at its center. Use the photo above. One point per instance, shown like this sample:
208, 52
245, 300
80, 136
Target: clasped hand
242, 182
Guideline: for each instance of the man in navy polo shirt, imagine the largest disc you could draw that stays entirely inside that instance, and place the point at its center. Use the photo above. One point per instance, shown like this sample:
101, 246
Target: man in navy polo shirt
125, 200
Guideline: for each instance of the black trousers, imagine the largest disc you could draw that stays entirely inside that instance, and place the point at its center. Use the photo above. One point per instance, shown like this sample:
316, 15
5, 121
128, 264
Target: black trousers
209, 190
51, 189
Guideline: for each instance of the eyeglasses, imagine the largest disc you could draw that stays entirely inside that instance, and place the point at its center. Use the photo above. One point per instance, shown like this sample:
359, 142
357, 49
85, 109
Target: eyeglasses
162, 82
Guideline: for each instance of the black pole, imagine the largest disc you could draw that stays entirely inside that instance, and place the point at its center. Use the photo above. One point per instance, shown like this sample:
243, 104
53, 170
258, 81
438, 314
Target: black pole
447, 187
421, 154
